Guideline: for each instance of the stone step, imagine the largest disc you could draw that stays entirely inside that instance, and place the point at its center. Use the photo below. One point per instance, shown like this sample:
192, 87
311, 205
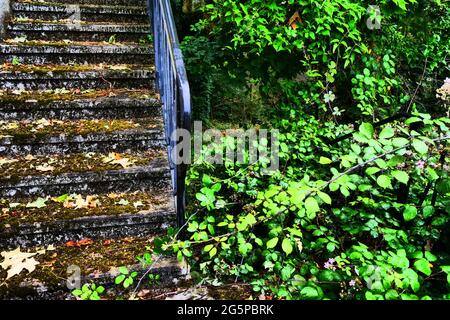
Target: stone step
40, 53
78, 216
98, 262
152, 177
30, 77
45, 137
83, 31
48, 11
134, 3
92, 104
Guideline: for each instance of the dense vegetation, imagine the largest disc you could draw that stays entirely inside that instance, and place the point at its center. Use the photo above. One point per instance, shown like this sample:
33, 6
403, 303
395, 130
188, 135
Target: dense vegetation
360, 207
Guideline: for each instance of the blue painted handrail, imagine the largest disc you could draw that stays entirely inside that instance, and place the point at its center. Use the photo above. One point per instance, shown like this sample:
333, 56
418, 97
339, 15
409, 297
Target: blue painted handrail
173, 87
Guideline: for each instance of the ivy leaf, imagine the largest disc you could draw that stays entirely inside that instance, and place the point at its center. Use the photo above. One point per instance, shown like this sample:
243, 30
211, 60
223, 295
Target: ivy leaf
287, 246
401, 176
423, 266
420, 146
384, 182
272, 243
409, 213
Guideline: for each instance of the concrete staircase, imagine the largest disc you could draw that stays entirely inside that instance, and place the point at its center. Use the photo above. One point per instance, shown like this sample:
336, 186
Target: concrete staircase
82, 151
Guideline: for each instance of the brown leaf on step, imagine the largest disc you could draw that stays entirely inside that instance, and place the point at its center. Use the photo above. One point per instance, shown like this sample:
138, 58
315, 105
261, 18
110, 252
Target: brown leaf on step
45, 168
107, 242
85, 242
71, 243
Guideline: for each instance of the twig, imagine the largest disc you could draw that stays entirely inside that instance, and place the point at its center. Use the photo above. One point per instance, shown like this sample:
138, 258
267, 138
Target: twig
418, 86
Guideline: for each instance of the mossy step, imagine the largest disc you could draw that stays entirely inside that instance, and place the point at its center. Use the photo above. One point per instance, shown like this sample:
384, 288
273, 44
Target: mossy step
92, 13
88, 53
82, 31
92, 104
75, 217
151, 177
30, 77
98, 261
96, 141
134, 3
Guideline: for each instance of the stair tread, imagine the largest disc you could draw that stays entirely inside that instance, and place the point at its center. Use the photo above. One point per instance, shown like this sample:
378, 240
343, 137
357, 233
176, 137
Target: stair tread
61, 6
74, 130
77, 99
81, 71
68, 47
24, 212
57, 164
84, 26
98, 261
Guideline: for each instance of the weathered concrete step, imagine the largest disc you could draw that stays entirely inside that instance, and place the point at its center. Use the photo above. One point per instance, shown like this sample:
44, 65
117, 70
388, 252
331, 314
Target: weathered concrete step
48, 11
77, 217
98, 261
87, 13
152, 177
57, 52
83, 31
80, 77
120, 105
134, 3
140, 139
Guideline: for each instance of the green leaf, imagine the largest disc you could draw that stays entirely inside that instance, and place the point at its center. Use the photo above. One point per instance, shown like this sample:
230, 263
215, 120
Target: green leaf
400, 142
401, 176
287, 246
309, 293
119, 279
212, 252
324, 160
409, 213
423, 266
39, 203
325, 197
123, 270
312, 207
387, 133
384, 182
272, 243
366, 129
420, 146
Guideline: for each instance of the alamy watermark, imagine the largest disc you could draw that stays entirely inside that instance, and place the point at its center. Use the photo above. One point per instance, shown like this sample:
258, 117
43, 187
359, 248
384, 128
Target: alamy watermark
218, 147
374, 20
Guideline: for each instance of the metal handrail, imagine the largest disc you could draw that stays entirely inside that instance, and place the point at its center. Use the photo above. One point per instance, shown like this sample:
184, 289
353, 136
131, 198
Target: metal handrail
173, 87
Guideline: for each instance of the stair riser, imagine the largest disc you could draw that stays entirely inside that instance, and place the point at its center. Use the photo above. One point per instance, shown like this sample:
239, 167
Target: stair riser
84, 16
150, 181
82, 84
42, 59
94, 228
79, 36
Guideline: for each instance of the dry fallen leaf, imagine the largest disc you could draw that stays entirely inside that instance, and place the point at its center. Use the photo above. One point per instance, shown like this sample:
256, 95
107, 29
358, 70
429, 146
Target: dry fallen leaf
45, 168
16, 261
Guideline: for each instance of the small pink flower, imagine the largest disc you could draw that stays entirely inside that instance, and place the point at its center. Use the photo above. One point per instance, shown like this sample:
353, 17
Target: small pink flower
352, 283
420, 164
401, 165
446, 167
330, 264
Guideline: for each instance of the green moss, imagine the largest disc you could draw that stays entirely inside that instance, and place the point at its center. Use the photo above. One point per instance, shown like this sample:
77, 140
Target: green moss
22, 131
45, 97
107, 205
